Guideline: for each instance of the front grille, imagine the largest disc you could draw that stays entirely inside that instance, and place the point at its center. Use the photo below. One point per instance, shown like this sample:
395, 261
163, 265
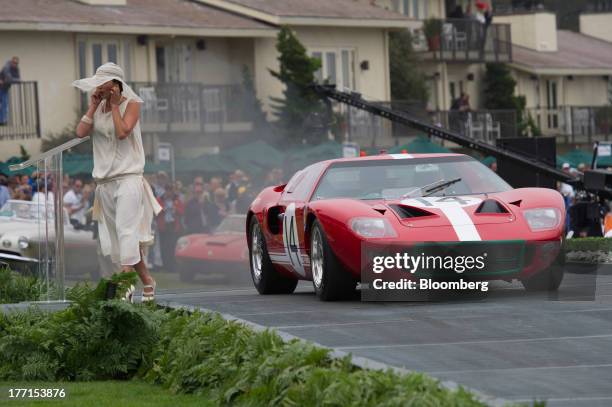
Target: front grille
500, 257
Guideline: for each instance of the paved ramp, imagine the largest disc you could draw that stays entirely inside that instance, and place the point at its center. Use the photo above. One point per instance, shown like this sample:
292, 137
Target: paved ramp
511, 345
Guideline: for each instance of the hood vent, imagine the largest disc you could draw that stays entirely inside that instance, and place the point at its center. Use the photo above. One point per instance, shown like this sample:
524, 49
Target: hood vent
404, 211
491, 206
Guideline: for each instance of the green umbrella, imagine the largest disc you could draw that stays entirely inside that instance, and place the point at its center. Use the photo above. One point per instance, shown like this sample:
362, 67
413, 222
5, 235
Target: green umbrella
422, 145
207, 163
256, 155
303, 156
576, 157
488, 160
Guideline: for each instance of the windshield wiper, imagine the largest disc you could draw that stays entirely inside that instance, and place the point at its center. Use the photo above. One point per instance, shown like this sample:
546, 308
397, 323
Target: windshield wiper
439, 186
429, 189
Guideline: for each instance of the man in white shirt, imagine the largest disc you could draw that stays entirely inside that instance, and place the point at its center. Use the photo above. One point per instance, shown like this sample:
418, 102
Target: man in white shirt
565, 189
73, 202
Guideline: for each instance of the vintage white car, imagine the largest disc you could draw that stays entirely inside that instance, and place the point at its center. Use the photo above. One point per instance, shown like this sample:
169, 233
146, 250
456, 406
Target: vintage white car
22, 239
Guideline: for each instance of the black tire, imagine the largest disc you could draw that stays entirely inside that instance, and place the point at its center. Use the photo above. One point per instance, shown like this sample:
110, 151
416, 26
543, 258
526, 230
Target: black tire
334, 283
267, 280
549, 279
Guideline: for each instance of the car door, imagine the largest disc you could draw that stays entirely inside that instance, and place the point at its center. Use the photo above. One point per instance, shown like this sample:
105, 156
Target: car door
293, 204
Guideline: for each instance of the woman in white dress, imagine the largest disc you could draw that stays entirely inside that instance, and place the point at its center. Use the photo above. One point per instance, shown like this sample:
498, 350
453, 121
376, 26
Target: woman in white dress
124, 203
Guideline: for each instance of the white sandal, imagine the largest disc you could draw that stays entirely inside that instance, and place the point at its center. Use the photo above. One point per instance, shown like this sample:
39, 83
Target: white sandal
151, 295
129, 294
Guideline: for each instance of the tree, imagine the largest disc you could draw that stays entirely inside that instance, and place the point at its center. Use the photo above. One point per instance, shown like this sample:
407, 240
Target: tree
407, 80
499, 94
499, 87
251, 104
24, 155
302, 115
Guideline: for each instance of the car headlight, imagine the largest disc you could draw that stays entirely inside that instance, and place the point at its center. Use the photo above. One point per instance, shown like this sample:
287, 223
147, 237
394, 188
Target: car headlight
542, 218
182, 243
372, 227
23, 243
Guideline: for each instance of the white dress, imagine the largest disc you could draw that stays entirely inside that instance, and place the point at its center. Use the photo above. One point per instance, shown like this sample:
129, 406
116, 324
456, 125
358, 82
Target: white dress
124, 203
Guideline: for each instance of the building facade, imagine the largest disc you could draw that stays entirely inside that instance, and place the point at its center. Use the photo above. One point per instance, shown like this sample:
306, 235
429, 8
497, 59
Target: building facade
187, 59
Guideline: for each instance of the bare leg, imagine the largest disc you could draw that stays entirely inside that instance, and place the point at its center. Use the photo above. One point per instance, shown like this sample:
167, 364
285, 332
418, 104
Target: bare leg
143, 273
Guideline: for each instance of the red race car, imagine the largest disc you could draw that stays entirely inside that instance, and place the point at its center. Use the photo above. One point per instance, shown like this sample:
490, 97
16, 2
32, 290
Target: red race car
221, 255
315, 226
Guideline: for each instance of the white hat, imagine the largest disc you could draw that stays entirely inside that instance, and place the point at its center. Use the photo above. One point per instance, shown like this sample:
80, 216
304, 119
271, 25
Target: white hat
106, 73
565, 165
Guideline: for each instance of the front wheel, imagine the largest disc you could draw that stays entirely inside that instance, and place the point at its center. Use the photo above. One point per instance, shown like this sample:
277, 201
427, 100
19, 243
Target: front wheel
265, 278
331, 282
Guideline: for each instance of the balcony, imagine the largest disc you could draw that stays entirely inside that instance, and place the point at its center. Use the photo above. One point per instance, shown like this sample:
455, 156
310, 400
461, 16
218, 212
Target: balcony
576, 124
463, 40
175, 108
23, 114
480, 125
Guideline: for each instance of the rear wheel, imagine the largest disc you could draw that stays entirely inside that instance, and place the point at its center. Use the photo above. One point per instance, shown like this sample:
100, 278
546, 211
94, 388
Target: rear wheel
329, 279
265, 278
549, 279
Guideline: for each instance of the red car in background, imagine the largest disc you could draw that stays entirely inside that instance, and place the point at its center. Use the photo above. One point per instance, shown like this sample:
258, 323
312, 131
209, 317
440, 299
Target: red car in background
315, 227
219, 256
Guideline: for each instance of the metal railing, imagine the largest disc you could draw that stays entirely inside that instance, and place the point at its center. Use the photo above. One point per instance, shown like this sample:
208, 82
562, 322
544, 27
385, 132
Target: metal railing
468, 40
193, 108
578, 124
482, 125
50, 261
519, 7
23, 118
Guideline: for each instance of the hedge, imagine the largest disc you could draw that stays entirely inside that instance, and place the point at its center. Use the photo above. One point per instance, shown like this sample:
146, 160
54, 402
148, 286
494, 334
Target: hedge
588, 244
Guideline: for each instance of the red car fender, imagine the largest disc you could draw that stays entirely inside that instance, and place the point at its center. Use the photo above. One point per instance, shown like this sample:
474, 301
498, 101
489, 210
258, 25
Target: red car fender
334, 216
267, 197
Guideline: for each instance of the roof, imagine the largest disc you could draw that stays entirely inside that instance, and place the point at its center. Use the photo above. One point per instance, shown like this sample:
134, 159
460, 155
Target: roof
577, 53
402, 156
315, 12
179, 17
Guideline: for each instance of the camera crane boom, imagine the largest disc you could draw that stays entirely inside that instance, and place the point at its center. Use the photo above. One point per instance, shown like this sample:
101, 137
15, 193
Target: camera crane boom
355, 99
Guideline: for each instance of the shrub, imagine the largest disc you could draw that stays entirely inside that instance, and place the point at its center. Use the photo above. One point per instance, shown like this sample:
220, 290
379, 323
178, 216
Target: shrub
233, 365
588, 244
92, 339
198, 353
15, 287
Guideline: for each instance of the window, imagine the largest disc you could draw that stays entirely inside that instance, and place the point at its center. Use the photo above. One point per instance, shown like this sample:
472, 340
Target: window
304, 182
453, 92
94, 51
330, 62
111, 51
337, 67
82, 51
174, 62
413, 8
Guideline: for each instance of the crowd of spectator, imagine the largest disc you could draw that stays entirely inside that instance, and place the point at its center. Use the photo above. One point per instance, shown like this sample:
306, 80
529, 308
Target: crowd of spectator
196, 208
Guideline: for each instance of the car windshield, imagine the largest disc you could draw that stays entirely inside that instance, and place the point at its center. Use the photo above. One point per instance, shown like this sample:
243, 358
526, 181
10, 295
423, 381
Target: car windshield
232, 224
397, 179
25, 210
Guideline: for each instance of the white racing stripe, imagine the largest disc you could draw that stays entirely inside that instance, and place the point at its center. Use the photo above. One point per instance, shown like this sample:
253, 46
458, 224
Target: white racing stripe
400, 156
461, 222
454, 210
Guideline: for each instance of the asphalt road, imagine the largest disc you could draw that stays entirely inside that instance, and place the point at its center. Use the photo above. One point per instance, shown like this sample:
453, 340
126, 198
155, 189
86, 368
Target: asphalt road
512, 345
